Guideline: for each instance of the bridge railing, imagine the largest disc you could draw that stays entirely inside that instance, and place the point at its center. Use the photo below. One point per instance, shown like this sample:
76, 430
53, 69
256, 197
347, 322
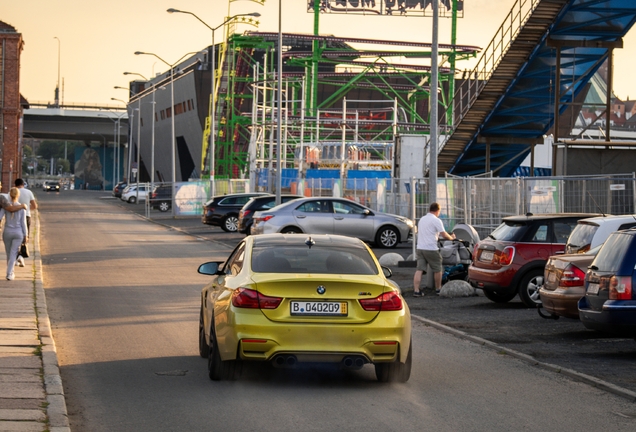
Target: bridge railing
76, 106
472, 85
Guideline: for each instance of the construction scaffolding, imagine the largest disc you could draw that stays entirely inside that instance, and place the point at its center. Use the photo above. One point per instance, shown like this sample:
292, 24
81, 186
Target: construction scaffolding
363, 100
342, 106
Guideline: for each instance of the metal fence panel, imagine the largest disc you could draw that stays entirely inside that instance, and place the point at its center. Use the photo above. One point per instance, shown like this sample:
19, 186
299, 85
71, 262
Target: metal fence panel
479, 201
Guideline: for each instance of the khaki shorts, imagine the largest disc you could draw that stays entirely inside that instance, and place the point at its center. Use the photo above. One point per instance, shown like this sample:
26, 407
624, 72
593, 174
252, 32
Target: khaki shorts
431, 257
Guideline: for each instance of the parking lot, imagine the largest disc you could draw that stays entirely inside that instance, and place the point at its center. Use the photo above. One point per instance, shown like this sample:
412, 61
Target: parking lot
564, 342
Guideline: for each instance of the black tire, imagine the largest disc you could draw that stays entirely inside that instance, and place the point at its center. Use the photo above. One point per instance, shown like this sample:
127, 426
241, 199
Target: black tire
204, 348
290, 230
230, 223
387, 237
499, 297
132, 200
529, 287
395, 371
218, 369
164, 206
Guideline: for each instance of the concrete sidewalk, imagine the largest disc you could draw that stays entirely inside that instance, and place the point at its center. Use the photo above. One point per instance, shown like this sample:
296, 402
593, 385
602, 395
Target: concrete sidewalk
31, 393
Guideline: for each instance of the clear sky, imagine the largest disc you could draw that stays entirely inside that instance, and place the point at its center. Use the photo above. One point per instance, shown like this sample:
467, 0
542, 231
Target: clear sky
97, 39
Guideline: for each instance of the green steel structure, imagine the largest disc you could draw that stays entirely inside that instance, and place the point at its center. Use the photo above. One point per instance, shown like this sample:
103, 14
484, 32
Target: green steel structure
345, 104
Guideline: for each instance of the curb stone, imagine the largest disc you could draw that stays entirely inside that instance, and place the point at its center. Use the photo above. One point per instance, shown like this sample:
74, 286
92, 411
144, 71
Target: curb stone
56, 410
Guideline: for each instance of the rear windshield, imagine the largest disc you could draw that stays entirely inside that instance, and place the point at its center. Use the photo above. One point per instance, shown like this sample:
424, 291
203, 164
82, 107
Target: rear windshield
614, 253
509, 231
301, 259
580, 237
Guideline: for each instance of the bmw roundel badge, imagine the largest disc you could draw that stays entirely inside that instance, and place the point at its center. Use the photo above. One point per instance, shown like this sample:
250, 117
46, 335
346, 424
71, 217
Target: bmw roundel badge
321, 289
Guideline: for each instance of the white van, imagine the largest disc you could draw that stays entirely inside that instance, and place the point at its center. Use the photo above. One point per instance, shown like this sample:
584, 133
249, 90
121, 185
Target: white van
591, 232
129, 194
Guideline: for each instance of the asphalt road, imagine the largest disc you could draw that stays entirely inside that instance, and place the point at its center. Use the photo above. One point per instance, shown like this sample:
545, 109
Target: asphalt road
123, 299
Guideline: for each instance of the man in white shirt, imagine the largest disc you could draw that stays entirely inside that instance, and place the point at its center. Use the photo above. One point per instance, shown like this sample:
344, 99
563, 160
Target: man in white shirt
26, 197
429, 228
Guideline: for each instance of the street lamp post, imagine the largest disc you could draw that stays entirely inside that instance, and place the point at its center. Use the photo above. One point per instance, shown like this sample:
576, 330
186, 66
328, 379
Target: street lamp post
172, 113
57, 87
128, 161
152, 150
279, 76
118, 151
116, 127
212, 143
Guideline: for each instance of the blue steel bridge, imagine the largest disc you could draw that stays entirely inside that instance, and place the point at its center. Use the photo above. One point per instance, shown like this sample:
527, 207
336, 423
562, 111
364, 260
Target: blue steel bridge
531, 80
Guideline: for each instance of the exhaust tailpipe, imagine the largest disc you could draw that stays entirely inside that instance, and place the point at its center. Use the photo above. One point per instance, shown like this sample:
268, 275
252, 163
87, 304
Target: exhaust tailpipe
353, 362
284, 361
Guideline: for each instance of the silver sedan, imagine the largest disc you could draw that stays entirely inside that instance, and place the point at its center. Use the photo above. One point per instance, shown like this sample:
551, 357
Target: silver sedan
321, 215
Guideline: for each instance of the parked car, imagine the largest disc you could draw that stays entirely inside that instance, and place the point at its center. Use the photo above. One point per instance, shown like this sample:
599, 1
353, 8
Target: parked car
129, 194
119, 188
609, 304
511, 260
161, 198
50, 185
592, 232
320, 215
255, 204
223, 210
564, 283
289, 299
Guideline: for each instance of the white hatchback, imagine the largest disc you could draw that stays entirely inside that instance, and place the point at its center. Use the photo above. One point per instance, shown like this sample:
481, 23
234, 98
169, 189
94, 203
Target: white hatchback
591, 232
130, 194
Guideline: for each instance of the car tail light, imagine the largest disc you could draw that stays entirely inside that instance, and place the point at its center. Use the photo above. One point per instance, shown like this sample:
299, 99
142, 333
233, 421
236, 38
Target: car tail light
572, 276
251, 299
264, 218
506, 256
244, 213
620, 288
389, 301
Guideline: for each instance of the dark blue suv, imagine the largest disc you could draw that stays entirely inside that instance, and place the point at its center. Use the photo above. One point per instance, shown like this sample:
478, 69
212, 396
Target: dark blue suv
609, 304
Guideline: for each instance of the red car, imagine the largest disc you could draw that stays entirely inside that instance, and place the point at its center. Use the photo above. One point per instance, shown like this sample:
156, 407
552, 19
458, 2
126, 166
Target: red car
511, 260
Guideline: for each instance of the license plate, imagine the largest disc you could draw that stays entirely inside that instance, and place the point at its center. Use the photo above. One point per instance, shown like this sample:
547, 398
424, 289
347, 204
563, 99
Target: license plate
486, 256
318, 308
592, 288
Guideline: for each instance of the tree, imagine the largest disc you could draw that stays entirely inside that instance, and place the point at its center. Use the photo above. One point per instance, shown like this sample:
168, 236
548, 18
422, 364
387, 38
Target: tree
50, 149
56, 149
63, 166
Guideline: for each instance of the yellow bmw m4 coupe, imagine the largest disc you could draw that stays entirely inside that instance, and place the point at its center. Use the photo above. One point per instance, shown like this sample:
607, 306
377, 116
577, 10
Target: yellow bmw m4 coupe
294, 298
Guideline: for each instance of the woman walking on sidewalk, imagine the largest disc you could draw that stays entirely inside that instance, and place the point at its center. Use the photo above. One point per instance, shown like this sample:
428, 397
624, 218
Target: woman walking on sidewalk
15, 232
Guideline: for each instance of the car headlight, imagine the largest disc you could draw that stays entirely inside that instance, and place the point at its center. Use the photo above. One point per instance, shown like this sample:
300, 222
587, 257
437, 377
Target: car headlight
406, 221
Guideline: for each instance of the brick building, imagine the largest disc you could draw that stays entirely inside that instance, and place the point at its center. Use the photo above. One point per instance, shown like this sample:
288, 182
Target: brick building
11, 45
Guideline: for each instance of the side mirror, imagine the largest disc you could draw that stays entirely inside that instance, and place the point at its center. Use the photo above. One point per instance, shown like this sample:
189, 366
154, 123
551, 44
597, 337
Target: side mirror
210, 268
387, 272
367, 212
